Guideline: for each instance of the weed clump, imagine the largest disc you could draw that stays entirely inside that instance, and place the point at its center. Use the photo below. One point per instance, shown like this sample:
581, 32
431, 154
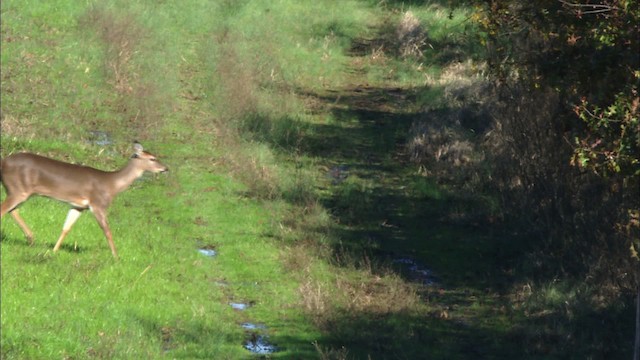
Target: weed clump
121, 35
254, 122
448, 142
127, 70
411, 36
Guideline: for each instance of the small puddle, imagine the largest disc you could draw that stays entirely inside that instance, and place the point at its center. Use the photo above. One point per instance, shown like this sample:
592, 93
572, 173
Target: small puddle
239, 306
259, 344
208, 252
416, 271
206, 249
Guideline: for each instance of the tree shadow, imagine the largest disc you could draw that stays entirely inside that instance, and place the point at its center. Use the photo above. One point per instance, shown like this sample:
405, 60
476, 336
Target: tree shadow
403, 335
385, 207
385, 210
372, 193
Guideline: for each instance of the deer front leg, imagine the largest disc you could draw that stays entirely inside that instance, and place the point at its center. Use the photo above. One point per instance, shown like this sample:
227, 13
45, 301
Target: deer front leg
72, 216
10, 205
101, 216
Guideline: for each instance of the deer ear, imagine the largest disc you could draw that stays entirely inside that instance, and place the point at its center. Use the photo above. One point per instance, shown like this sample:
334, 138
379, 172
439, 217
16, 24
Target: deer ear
137, 148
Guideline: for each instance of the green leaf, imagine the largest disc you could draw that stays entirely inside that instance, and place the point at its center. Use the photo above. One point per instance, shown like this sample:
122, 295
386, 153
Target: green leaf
584, 160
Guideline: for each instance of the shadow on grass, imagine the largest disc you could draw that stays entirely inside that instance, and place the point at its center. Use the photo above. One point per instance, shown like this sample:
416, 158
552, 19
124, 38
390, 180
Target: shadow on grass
70, 247
371, 191
411, 336
385, 210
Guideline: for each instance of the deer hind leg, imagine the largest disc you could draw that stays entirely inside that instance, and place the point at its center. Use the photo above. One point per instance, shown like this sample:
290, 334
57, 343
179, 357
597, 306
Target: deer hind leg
72, 216
9, 205
101, 216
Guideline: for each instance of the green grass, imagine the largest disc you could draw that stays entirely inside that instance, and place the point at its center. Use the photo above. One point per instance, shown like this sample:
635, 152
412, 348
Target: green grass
162, 298
251, 104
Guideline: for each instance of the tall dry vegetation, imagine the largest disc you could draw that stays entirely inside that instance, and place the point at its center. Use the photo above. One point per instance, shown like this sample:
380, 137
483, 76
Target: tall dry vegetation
447, 142
366, 305
255, 118
411, 36
136, 96
505, 145
512, 133
506, 141
558, 154
238, 81
574, 131
237, 99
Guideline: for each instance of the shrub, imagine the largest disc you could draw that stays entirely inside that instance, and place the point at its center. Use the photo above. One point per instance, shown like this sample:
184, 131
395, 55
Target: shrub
589, 119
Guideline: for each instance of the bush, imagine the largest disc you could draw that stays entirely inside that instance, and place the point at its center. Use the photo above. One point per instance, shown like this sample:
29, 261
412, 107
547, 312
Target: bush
566, 138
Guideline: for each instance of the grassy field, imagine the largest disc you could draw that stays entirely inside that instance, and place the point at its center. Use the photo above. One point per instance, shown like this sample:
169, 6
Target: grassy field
284, 126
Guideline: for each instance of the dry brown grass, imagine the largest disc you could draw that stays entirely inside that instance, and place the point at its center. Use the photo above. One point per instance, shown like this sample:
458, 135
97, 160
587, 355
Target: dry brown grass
246, 122
331, 353
352, 292
236, 99
404, 38
120, 35
248, 164
447, 142
138, 99
16, 127
373, 294
359, 286
411, 36
463, 82
438, 139
238, 81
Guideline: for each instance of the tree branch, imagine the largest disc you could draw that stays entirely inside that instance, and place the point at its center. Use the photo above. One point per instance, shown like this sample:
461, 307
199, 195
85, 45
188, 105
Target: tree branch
595, 8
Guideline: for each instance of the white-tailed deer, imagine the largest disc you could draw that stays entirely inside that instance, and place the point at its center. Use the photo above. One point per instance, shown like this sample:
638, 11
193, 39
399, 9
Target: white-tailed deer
83, 187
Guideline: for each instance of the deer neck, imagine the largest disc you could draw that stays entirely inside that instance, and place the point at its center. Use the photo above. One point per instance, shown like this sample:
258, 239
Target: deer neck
126, 176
